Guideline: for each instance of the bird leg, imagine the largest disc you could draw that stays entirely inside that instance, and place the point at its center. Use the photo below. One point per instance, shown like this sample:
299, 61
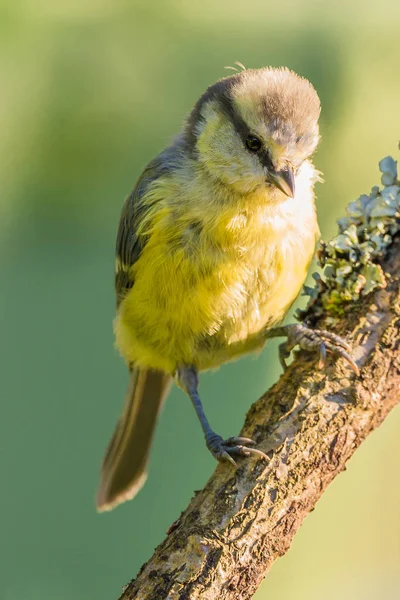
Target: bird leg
316, 340
187, 379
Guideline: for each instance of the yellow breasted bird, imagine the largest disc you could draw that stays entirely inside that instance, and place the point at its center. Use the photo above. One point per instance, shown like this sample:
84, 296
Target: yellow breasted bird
213, 247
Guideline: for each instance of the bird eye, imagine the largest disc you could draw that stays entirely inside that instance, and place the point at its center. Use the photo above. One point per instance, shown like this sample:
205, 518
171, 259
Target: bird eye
253, 143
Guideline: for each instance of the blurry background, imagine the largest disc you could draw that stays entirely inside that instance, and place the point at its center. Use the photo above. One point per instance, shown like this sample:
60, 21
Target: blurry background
90, 91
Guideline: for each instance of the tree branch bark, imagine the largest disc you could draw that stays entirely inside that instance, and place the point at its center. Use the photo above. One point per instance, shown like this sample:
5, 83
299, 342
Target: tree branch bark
310, 423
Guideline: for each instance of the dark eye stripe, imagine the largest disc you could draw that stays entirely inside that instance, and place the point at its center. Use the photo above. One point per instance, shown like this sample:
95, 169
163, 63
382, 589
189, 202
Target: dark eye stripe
230, 110
265, 159
243, 130
228, 107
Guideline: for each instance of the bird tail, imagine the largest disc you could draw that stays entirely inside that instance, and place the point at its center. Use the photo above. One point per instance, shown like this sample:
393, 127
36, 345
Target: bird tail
123, 470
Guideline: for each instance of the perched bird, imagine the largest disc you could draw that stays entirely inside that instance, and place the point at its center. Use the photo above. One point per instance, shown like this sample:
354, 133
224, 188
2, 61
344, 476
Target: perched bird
213, 247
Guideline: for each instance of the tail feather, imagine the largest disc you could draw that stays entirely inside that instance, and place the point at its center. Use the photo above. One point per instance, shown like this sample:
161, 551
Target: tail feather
124, 466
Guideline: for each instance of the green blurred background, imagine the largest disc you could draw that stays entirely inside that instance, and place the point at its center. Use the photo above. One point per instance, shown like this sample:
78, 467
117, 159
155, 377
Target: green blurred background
90, 91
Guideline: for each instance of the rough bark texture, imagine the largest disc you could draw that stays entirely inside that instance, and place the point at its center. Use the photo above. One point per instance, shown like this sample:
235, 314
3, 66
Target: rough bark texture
309, 423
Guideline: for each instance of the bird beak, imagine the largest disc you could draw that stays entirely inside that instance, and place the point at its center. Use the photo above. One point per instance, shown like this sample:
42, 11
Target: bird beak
283, 180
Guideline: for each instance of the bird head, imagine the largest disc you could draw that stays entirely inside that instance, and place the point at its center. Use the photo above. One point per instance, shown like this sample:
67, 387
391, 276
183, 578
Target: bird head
255, 128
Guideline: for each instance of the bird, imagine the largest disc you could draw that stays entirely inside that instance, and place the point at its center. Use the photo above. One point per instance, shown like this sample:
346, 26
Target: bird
213, 247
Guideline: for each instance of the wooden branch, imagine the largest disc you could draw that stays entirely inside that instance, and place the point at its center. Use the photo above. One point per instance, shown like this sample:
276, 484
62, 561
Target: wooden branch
309, 423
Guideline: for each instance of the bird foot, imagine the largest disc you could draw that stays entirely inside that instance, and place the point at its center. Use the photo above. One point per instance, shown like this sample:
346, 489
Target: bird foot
316, 340
223, 450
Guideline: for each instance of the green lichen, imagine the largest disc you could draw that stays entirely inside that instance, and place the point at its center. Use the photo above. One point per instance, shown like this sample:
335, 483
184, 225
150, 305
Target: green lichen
351, 261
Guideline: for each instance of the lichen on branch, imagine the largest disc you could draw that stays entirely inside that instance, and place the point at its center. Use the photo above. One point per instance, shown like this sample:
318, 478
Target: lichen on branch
351, 260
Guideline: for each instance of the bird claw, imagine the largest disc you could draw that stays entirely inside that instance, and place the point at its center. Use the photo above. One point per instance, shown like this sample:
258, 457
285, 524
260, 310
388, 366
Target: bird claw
239, 440
316, 340
223, 450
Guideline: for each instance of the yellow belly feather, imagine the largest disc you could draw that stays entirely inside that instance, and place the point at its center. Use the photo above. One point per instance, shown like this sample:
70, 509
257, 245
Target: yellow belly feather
209, 281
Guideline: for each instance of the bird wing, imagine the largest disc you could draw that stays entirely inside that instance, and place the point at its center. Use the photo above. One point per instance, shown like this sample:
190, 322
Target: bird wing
129, 245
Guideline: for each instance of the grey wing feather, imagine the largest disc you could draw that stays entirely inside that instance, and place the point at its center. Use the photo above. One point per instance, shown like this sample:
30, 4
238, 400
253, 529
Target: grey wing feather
129, 245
